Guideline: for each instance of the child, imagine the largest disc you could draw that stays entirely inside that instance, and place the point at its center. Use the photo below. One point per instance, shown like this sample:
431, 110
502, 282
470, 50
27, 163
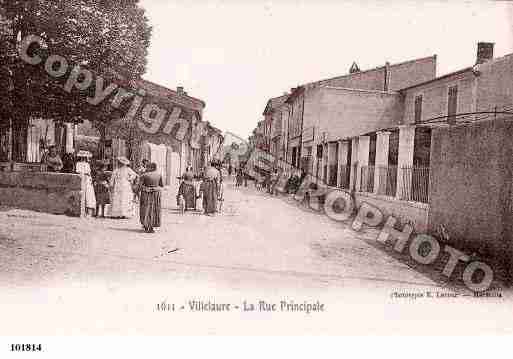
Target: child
101, 189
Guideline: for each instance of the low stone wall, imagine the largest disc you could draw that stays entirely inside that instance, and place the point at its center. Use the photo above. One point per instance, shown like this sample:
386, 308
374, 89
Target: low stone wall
414, 213
405, 212
55, 193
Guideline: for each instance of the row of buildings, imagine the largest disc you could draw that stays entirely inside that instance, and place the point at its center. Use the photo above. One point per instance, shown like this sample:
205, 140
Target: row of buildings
435, 151
201, 143
24, 182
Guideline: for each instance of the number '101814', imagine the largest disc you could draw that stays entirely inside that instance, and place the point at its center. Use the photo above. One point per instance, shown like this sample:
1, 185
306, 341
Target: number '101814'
26, 347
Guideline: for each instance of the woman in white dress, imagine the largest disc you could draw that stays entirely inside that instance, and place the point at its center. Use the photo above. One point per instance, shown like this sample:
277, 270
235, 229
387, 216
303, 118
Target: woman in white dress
83, 168
121, 188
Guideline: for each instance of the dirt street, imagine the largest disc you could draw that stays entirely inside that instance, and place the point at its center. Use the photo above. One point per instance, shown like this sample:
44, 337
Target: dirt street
79, 276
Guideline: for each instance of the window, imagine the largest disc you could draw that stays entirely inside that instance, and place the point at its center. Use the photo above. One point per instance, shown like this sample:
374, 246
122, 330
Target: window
309, 151
373, 139
452, 104
307, 160
61, 135
319, 151
418, 108
422, 147
4, 143
19, 142
393, 148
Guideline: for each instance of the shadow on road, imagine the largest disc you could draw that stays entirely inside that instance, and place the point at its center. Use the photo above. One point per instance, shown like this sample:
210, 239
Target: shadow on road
177, 212
133, 230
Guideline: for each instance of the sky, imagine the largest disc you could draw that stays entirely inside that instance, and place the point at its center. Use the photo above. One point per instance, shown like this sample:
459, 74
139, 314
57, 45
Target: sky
235, 55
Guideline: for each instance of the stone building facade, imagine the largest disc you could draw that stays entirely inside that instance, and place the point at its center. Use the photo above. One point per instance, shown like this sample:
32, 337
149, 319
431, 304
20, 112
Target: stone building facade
179, 140
393, 135
320, 101
275, 116
172, 133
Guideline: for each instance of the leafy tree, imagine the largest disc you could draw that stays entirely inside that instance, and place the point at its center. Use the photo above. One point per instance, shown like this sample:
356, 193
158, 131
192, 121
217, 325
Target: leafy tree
108, 37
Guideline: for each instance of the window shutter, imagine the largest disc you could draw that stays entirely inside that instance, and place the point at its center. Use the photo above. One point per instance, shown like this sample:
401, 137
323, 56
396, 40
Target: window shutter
452, 104
418, 109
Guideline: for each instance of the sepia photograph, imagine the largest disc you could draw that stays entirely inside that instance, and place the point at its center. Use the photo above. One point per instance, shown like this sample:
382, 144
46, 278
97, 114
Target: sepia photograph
253, 169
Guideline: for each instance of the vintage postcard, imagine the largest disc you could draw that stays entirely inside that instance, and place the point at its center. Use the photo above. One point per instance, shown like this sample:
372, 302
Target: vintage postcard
254, 168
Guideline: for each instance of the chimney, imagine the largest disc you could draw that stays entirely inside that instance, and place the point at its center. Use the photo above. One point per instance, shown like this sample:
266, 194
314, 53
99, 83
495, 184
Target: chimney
179, 90
484, 52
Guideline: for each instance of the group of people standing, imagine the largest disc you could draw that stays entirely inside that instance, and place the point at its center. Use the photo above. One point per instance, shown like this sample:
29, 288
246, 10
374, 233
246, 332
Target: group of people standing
294, 181
54, 163
270, 179
121, 188
125, 186
103, 187
240, 175
210, 190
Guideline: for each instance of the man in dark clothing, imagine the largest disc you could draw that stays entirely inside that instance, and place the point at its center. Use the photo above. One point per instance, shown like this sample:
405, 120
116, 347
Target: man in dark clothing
245, 175
68, 163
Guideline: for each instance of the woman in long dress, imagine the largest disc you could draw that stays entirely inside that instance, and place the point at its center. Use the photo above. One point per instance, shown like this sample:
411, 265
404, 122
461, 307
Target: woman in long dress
150, 213
238, 178
121, 188
187, 190
209, 190
83, 168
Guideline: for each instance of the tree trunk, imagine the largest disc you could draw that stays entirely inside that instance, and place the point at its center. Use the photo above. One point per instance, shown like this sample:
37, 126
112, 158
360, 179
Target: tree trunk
101, 144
